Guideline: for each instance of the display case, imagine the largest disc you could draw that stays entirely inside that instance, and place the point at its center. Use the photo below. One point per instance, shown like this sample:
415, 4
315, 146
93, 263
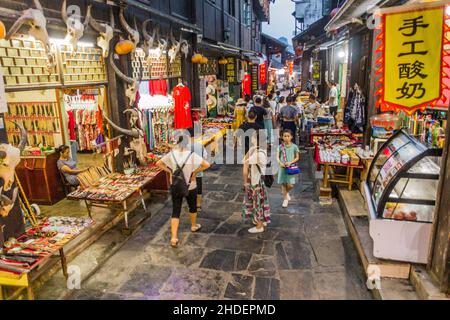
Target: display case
401, 194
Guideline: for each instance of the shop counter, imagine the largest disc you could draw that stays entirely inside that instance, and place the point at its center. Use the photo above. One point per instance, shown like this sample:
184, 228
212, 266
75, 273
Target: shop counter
346, 178
42, 169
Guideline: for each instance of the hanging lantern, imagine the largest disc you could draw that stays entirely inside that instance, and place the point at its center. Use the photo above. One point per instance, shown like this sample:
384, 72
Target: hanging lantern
196, 58
223, 61
2, 30
204, 60
298, 51
124, 47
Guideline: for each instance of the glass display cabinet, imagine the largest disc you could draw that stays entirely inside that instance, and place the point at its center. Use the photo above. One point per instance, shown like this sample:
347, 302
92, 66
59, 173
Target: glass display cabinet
400, 192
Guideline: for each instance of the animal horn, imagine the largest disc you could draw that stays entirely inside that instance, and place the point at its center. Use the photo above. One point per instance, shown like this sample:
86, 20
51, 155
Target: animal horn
88, 17
23, 136
124, 22
144, 29
118, 72
127, 132
64, 12
172, 38
16, 26
38, 5
97, 26
111, 17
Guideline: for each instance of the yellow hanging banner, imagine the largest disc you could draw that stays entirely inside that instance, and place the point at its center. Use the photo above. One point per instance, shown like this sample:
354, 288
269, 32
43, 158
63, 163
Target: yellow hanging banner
412, 62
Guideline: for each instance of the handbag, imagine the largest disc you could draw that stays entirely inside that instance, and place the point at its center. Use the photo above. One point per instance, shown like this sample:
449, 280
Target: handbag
268, 178
293, 169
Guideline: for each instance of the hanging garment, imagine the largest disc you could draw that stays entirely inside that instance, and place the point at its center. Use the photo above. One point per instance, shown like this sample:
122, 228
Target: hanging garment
354, 113
182, 113
71, 125
247, 85
158, 87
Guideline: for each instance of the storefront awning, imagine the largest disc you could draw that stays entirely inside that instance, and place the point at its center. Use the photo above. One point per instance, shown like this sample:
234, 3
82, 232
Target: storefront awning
218, 49
350, 12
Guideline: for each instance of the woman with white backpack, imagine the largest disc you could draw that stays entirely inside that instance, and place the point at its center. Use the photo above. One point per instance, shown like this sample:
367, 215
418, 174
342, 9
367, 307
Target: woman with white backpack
183, 166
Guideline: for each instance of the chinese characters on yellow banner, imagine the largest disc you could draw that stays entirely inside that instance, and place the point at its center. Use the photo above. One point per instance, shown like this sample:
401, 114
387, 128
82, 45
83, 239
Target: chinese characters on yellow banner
412, 62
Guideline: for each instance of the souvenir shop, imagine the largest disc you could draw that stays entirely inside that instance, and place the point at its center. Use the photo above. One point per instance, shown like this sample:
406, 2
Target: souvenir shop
54, 108
389, 188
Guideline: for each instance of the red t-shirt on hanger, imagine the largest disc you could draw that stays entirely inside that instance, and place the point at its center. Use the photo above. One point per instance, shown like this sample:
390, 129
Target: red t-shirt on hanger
182, 113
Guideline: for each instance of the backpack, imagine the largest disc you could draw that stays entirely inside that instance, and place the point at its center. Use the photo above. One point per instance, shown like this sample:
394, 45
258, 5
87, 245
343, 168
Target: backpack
179, 187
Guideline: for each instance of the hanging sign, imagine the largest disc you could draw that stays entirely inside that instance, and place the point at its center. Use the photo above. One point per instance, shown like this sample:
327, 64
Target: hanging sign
232, 74
317, 70
254, 70
263, 73
412, 66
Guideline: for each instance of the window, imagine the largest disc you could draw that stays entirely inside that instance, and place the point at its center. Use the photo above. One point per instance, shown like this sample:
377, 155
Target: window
247, 15
232, 7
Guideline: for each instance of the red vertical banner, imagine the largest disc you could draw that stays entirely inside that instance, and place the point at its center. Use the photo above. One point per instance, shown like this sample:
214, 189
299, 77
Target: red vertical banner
263, 73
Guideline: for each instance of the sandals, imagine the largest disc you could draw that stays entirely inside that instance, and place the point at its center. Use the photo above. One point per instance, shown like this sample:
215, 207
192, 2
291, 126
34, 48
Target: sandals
197, 228
174, 243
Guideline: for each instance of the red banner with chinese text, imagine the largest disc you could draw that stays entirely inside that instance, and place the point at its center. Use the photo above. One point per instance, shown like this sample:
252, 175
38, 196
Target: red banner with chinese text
414, 66
263, 73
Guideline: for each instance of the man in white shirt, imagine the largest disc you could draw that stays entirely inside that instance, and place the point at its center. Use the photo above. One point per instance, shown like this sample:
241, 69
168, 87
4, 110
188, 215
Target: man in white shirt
333, 98
191, 164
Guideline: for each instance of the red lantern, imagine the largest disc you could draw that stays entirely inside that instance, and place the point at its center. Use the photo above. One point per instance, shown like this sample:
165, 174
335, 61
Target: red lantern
298, 51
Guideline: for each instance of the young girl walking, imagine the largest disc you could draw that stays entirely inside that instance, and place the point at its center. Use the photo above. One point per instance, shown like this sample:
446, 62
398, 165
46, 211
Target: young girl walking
288, 155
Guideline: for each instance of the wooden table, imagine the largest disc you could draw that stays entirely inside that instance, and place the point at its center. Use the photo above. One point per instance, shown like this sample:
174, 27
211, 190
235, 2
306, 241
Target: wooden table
126, 205
346, 179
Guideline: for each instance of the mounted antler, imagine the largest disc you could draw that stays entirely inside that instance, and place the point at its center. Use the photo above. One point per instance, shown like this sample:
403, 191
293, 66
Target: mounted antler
37, 22
106, 33
176, 46
75, 29
133, 34
138, 143
132, 84
149, 42
162, 45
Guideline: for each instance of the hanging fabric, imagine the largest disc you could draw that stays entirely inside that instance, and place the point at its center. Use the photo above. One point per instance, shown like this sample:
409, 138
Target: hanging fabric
182, 98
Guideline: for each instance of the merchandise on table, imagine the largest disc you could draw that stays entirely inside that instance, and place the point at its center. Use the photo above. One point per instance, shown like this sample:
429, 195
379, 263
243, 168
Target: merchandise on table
23, 254
337, 149
117, 186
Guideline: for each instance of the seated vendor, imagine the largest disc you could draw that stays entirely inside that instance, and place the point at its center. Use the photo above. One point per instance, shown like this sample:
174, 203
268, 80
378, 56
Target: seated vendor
67, 166
313, 108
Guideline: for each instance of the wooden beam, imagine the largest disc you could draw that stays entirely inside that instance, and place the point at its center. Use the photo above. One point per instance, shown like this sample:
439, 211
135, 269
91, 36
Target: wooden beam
439, 258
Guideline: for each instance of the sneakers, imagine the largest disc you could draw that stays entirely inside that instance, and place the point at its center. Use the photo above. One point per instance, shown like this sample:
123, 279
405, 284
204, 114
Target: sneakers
255, 230
285, 203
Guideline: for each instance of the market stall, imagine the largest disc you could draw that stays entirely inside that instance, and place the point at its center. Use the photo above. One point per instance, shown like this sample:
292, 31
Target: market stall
121, 193
21, 258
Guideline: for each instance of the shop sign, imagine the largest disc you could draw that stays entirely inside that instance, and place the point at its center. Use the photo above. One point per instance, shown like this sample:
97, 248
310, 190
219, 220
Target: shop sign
317, 71
3, 103
263, 73
210, 68
254, 72
202, 89
232, 70
414, 50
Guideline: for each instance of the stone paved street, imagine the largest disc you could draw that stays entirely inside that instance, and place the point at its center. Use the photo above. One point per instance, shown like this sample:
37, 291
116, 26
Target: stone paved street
305, 252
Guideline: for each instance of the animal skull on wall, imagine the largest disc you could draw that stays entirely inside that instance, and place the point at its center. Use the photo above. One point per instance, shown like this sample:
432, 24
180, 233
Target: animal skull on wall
75, 29
35, 19
136, 133
9, 159
133, 34
162, 46
175, 49
149, 40
106, 33
132, 84
184, 48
